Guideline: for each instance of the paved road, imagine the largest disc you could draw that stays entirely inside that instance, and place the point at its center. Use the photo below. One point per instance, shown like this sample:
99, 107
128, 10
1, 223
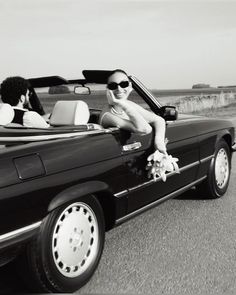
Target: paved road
184, 246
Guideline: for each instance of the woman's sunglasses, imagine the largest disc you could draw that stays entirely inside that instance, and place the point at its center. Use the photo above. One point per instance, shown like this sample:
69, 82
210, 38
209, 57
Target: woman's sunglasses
114, 85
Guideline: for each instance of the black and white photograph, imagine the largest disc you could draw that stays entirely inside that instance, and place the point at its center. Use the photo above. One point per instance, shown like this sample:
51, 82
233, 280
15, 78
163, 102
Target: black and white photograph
117, 147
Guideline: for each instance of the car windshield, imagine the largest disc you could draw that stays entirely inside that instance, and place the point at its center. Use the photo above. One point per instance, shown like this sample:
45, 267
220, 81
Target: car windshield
96, 99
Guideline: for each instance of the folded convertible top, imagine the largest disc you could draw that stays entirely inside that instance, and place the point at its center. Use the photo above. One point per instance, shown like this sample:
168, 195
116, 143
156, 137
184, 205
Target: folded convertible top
47, 81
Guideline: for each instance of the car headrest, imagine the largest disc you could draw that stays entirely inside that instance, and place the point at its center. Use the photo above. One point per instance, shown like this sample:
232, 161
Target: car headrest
75, 112
6, 113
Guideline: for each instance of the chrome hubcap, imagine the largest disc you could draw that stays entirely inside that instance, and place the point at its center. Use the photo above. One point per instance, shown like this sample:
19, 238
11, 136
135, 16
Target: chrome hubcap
221, 168
75, 240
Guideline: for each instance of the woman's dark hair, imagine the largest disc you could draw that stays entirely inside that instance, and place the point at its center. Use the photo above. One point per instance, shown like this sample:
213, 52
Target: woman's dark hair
116, 71
12, 88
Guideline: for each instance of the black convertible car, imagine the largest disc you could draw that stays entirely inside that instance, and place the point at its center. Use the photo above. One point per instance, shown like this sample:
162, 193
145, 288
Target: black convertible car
62, 187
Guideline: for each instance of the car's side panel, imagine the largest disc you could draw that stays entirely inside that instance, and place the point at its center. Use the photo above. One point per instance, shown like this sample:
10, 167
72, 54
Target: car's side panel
27, 201
8, 172
182, 144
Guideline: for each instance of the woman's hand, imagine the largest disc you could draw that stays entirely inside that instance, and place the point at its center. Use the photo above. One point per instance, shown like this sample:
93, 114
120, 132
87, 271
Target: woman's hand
160, 145
112, 100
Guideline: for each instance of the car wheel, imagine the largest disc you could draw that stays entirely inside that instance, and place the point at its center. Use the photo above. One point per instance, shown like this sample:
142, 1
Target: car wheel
218, 176
67, 250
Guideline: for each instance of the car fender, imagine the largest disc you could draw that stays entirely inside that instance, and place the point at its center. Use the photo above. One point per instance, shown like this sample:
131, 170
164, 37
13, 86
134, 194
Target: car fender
227, 136
73, 193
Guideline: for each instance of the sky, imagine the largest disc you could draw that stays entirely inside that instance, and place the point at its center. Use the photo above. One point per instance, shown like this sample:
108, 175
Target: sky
166, 44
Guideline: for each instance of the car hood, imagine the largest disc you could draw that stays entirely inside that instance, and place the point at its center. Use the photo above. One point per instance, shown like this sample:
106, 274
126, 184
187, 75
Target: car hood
190, 116
203, 124
200, 118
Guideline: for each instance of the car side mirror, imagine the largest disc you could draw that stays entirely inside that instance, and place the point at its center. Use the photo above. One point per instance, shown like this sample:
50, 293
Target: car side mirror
82, 90
169, 113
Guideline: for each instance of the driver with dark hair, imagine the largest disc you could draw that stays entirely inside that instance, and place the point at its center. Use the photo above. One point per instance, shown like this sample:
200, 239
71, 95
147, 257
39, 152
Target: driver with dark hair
18, 92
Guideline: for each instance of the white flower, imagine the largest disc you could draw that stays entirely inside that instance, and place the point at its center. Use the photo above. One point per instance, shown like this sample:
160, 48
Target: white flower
159, 164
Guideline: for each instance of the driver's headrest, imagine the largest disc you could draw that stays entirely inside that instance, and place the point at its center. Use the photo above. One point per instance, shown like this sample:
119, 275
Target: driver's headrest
75, 112
6, 113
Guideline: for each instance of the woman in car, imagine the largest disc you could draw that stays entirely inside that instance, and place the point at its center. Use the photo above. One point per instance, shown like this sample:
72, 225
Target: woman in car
128, 115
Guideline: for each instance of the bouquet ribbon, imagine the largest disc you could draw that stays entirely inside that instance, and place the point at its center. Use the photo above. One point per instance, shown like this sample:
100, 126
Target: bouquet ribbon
159, 164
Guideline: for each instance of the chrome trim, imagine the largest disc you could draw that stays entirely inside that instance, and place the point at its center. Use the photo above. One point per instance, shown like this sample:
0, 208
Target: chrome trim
167, 175
145, 90
121, 193
111, 129
18, 232
33, 138
144, 184
206, 159
189, 166
234, 147
153, 204
131, 147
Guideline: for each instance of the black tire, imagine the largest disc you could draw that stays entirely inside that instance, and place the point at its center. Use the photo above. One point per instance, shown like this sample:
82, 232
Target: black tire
63, 239
217, 181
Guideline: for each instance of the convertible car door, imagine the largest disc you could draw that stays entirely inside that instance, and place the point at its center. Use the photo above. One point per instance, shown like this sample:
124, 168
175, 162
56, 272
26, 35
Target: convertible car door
136, 148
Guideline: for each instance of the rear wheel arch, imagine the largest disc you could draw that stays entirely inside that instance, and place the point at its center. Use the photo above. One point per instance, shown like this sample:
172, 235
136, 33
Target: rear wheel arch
228, 139
98, 189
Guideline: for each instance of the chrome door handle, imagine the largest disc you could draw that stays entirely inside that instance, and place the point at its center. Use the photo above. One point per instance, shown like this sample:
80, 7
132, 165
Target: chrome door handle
131, 147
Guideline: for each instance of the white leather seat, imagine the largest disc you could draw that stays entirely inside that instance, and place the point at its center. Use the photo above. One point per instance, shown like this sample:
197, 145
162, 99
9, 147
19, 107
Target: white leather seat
74, 112
6, 113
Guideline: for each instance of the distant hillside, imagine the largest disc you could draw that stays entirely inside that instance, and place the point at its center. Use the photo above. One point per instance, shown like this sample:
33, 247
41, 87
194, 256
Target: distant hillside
196, 91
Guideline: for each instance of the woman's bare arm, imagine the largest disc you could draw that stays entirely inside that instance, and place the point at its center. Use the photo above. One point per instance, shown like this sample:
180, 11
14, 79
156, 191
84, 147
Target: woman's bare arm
158, 124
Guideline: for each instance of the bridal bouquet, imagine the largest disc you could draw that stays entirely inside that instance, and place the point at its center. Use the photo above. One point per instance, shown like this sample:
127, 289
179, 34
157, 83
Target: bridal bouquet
159, 164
